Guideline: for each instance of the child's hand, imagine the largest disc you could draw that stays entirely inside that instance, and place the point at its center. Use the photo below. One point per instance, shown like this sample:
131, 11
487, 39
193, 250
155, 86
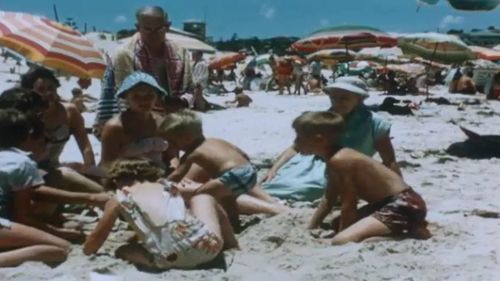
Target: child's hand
269, 176
99, 199
187, 188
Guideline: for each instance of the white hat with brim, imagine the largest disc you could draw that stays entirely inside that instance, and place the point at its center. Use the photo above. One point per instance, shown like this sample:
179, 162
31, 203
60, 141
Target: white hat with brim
137, 78
350, 84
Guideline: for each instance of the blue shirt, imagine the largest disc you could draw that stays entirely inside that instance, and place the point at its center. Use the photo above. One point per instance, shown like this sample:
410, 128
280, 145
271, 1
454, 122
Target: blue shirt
17, 172
362, 129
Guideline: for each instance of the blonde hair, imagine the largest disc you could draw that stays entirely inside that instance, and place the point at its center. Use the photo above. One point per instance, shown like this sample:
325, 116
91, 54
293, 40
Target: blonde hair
136, 168
184, 121
326, 123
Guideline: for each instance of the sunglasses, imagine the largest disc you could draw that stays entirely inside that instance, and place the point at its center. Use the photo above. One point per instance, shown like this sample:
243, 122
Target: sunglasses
153, 29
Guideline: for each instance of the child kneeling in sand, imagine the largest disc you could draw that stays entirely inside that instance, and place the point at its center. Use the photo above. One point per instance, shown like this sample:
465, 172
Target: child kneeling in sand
393, 207
240, 98
229, 168
172, 235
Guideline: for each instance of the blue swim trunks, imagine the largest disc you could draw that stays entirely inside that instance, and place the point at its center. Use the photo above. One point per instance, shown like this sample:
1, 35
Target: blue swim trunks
240, 179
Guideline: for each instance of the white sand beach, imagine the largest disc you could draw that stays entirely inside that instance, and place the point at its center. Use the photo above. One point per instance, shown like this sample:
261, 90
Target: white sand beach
459, 193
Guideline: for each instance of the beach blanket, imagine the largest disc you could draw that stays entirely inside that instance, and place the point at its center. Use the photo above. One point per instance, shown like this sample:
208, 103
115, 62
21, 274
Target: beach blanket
301, 179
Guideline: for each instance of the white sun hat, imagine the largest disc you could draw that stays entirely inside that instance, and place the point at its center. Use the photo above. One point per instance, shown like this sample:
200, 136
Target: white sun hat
351, 84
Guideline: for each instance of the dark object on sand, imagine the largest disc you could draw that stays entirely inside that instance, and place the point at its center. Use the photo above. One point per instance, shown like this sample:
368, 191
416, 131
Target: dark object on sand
476, 146
389, 105
439, 101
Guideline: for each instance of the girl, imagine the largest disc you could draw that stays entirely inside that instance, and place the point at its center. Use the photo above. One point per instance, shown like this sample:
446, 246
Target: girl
171, 234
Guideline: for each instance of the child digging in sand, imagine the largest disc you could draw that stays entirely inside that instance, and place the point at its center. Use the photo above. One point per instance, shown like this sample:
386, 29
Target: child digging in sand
240, 98
171, 234
229, 168
19, 176
393, 207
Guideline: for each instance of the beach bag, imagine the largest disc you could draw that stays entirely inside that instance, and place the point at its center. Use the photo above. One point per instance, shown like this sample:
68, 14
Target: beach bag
150, 210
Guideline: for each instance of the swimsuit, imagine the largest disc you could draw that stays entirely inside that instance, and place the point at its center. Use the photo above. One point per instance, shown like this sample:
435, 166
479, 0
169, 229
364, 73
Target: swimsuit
173, 237
150, 148
56, 140
401, 212
240, 179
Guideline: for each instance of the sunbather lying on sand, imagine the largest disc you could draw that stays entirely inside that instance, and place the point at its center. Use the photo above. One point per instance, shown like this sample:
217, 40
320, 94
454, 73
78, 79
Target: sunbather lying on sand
393, 207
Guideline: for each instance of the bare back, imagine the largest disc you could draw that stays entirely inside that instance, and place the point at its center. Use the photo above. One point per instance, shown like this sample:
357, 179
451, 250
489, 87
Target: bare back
216, 156
354, 173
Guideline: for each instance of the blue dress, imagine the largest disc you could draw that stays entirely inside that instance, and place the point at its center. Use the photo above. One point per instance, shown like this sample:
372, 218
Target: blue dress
303, 176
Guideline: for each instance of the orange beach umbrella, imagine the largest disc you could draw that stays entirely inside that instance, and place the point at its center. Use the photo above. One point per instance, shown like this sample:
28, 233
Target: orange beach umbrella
51, 44
226, 60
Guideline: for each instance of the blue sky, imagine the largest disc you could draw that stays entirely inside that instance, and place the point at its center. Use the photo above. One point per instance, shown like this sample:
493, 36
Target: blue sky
266, 18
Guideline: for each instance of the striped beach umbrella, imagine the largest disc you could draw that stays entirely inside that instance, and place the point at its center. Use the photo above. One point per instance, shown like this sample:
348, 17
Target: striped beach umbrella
332, 55
344, 37
50, 44
436, 47
486, 53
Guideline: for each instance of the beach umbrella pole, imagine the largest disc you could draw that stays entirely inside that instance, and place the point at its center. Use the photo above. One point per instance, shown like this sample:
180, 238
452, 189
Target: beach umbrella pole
428, 70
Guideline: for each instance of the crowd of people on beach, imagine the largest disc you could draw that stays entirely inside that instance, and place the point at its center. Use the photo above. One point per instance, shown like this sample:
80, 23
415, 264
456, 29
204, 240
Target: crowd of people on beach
180, 192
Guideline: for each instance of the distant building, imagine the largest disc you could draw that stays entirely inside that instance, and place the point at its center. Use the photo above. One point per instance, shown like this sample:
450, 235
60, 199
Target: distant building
196, 27
481, 38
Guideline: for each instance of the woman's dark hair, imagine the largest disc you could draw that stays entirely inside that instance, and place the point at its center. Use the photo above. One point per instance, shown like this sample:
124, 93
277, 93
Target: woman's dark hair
29, 78
28, 102
23, 100
14, 128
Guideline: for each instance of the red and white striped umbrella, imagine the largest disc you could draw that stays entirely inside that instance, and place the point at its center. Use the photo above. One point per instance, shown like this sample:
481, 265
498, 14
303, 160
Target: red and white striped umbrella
344, 37
51, 44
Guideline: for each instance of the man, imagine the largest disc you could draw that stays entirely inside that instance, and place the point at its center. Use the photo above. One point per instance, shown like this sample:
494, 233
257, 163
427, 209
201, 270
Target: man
150, 52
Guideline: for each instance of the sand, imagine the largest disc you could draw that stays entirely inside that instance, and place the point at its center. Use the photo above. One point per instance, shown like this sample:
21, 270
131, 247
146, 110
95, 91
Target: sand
464, 245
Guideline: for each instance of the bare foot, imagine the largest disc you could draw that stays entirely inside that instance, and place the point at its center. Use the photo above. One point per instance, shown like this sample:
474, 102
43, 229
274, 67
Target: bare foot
420, 232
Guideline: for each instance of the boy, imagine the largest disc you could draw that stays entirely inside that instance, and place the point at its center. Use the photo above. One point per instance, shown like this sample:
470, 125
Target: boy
229, 168
79, 99
240, 99
393, 207
21, 183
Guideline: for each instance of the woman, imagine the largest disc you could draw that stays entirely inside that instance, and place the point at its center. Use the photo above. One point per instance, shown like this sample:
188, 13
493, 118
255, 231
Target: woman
171, 235
61, 121
133, 133
300, 177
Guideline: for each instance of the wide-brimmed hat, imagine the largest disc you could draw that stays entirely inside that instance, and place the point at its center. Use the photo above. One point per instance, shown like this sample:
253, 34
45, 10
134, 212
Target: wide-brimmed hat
351, 84
137, 78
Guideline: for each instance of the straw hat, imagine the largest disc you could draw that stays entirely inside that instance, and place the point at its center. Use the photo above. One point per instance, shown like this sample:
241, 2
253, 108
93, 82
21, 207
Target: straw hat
137, 78
351, 84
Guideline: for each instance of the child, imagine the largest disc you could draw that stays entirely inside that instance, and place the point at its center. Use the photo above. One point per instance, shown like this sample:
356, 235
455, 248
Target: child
18, 176
229, 168
195, 236
393, 207
79, 99
28, 188
241, 99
